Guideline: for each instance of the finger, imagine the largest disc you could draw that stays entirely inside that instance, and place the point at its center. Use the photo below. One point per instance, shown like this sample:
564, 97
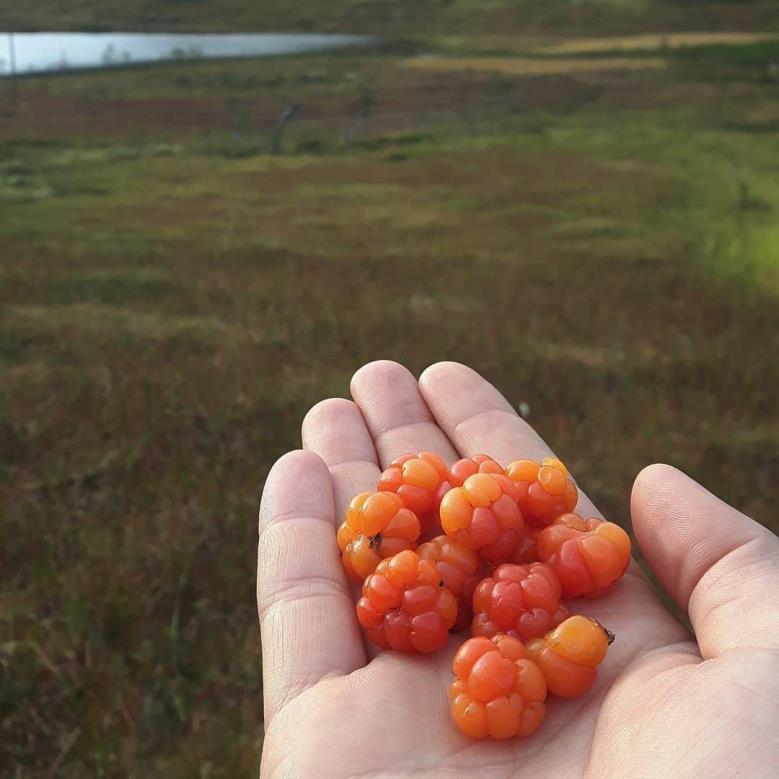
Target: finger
478, 420
336, 431
717, 563
306, 614
396, 414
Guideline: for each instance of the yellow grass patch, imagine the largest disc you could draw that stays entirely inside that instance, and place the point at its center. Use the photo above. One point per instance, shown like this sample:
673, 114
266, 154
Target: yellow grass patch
654, 41
519, 66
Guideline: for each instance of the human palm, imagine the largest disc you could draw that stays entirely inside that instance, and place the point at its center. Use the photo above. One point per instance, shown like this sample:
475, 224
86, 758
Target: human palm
664, 704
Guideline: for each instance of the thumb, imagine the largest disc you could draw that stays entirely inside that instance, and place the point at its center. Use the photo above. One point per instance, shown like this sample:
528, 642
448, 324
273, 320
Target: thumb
718, 564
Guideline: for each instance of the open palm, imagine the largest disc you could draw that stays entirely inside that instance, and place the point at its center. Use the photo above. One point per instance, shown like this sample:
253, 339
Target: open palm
665, 704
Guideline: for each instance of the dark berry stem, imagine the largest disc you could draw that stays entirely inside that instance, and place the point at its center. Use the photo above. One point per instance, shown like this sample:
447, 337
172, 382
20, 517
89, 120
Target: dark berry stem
609, 635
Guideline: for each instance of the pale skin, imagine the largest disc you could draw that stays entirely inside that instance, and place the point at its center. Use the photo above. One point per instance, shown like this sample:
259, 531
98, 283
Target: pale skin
666, 703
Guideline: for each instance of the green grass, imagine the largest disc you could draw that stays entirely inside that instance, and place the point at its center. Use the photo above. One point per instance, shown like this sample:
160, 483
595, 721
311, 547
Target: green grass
173, 298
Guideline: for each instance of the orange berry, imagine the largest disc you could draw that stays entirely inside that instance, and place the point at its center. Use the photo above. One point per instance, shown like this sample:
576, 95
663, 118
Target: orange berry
544, 492
405, 606
498, 692
460, 571
377, 525
569, 655
580, 640
420, 480
588, 555
483, 515
518, 600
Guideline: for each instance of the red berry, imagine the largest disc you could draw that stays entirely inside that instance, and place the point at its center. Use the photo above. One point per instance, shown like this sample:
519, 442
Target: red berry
497, 691
520, 600
460, 570
420, 481
588, 555
569, 656
466, 467
405, 606
544, 491
377, 525
483, 515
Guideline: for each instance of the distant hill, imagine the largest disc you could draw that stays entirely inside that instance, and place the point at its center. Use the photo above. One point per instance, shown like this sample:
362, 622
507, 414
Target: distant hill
408, 18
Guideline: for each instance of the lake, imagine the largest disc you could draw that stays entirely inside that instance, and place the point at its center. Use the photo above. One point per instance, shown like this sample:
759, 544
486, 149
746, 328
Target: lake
51, 52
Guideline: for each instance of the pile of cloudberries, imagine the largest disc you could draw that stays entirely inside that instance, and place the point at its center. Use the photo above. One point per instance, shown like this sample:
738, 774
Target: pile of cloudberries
441, 549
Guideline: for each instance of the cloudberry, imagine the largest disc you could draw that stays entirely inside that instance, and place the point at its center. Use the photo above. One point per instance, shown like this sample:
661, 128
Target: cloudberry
405, 606
569, 655
483, 515
588, 555
497, 691
460, 570
543, 491
520, 600
466, 467
377, 525
421, 480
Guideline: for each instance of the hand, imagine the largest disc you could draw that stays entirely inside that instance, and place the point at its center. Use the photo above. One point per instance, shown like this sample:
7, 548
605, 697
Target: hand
665, 704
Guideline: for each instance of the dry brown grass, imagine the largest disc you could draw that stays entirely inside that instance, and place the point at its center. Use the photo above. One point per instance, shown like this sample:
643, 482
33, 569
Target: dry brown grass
654, 42
519, 66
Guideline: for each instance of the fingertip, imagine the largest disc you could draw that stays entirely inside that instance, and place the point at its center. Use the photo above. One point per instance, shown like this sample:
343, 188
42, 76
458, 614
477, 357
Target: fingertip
377, 370
398, 417
683, 529
297, 477
652, 494
439, 372
335, 429
296, 461
666, 504
652, 474
321, 414
448, 381
379, 387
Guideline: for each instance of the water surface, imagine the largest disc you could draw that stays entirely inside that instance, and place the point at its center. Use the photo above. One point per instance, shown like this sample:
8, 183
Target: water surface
46, 52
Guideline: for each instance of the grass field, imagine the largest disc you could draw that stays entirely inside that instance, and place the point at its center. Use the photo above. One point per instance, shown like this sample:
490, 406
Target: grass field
414, 18
522, 66
604, 246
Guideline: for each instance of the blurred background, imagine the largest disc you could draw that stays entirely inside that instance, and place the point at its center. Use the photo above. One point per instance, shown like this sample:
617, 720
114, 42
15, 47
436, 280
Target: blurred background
579, 198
